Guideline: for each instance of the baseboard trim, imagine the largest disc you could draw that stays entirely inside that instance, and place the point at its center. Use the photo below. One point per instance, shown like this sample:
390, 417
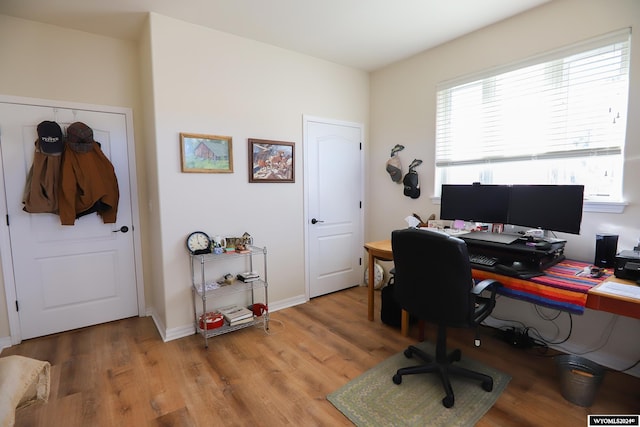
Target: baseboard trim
5, 342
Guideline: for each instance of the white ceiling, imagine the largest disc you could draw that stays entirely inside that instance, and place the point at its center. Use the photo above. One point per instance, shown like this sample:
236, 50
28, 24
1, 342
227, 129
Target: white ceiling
364, 34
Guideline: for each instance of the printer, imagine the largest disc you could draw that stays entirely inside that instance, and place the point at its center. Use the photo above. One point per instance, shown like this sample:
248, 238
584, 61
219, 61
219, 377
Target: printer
627, 265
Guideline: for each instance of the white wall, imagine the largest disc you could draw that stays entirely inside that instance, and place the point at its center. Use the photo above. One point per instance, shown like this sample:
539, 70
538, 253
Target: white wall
403, 98
185, 78
214, 83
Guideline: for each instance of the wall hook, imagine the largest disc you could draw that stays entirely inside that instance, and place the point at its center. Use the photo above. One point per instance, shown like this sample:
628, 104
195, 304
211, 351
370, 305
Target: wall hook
398, 147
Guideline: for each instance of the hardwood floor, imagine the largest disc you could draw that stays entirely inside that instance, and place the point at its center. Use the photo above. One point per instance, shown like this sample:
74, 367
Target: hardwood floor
122, 374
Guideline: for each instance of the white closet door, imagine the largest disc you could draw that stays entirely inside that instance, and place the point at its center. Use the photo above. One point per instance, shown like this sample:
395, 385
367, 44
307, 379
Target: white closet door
67, 277
334, 188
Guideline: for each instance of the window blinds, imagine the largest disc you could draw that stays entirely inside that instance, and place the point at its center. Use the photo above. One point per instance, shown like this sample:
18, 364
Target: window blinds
565, 104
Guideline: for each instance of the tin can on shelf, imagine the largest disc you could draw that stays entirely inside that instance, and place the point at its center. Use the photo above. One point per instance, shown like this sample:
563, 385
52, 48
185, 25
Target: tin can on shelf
211, 320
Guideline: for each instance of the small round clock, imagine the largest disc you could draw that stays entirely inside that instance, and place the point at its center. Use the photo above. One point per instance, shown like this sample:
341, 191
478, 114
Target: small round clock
198, 243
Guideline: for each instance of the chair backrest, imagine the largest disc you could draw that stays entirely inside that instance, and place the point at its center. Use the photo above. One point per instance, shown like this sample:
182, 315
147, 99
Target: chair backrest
433, 276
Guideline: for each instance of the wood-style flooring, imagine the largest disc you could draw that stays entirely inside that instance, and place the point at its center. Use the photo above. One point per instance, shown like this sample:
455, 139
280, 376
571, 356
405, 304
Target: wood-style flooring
122, 374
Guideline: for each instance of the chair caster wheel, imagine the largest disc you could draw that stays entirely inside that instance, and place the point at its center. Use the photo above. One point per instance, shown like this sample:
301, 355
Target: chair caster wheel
487, 385
448, 401
408, 353
397, 379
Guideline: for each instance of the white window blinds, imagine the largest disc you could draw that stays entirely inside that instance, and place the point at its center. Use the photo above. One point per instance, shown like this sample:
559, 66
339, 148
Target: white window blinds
561, 110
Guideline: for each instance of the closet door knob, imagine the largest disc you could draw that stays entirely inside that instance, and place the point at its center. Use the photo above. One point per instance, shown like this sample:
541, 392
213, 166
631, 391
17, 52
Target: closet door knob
122, 229
314, 221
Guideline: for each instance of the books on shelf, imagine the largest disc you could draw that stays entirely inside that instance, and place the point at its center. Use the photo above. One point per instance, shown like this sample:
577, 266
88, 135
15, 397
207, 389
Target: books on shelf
248, 276
235, 313
241, 321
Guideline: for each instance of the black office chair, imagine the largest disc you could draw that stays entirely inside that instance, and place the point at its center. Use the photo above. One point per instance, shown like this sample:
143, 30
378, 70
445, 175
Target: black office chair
433, 282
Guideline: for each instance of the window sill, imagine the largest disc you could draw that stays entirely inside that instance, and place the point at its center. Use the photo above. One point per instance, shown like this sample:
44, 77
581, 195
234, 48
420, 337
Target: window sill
604, 207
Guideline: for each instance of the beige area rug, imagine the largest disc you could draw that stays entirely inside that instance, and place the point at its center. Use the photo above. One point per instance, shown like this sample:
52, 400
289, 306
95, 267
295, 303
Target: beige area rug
372, 399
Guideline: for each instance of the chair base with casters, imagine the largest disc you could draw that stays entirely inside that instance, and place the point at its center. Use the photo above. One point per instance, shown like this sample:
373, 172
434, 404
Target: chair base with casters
443, 365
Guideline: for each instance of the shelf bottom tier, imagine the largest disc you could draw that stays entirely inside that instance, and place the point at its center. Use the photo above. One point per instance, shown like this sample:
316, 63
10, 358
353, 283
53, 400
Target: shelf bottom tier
226, 328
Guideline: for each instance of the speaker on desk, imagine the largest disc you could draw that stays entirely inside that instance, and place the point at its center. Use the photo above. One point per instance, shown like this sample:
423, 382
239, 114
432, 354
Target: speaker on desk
606, 249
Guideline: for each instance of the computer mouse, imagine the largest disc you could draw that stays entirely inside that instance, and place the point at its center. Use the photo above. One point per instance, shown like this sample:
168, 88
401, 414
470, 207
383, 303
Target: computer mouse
517, 265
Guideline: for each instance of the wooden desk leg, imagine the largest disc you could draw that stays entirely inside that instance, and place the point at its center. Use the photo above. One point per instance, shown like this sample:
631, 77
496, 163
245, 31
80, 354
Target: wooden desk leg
371, 279
404, 327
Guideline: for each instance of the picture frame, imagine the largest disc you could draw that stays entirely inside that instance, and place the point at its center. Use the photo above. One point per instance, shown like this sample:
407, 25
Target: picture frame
271, 161
206, 153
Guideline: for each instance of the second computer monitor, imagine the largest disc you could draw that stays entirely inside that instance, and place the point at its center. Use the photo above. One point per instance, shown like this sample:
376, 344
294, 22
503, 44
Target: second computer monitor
548, 207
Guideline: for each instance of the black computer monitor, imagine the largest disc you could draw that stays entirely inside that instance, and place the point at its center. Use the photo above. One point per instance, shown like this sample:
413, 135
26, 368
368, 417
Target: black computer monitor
548, 207
476, 202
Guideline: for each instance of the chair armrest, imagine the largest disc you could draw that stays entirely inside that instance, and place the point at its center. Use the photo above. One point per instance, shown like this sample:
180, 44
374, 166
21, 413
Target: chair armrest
482, 311
486, 283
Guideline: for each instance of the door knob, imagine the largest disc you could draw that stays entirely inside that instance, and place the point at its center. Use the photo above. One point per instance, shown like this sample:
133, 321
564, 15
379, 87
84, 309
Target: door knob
122, 229
314, 221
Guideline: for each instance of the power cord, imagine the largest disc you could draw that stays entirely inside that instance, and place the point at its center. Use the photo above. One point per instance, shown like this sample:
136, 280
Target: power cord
261, 323
522, 336
631, 367
548, 342
518, 338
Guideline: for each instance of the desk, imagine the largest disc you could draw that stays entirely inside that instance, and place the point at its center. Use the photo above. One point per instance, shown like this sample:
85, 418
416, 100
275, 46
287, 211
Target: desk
595, 300
377, 250
382, 250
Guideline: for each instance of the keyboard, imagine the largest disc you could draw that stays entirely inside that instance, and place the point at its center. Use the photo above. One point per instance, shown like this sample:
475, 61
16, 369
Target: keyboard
484, 260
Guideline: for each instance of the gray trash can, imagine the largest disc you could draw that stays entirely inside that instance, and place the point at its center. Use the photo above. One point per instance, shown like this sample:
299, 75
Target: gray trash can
580, 378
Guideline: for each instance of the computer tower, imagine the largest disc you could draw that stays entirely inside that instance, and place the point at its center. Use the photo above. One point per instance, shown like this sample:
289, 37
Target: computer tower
606, 249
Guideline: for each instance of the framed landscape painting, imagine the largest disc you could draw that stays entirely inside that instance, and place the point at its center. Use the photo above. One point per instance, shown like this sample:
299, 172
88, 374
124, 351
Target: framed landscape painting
206, 153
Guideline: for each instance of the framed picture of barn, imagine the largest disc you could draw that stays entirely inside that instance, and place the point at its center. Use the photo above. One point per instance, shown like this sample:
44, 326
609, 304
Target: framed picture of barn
206, 153
271, 161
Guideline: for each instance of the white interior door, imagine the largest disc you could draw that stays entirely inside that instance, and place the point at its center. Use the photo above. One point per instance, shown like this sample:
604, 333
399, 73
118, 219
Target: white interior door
334, 197
67, 277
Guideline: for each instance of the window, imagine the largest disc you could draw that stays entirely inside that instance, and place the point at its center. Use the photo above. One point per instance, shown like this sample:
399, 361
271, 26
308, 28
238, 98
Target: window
559, 118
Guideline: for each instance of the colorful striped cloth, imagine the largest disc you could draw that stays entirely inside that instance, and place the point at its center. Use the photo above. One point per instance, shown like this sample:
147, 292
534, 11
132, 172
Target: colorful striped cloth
559, 288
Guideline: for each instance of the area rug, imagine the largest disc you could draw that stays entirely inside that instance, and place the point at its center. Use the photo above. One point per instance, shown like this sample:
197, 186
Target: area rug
372, 399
